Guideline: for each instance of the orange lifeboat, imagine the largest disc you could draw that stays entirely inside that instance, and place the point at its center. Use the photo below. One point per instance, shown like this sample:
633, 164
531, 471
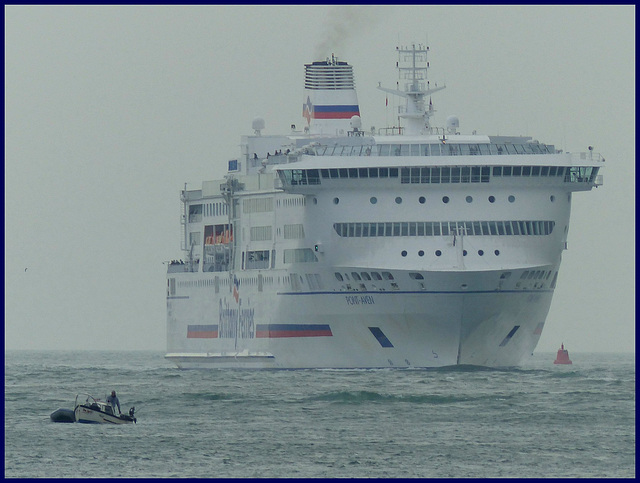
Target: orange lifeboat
563, 356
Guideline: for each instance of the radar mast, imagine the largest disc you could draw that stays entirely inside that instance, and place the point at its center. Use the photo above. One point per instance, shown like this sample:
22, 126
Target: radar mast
412, 68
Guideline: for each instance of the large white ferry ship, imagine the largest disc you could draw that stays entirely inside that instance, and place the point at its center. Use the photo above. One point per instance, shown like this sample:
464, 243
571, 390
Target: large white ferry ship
339, 247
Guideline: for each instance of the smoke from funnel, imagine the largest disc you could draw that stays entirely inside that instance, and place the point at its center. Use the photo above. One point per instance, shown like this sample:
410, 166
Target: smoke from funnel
340, 26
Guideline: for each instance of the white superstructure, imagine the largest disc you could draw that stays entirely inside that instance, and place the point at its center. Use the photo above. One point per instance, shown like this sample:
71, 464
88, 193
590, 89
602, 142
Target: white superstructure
414, 246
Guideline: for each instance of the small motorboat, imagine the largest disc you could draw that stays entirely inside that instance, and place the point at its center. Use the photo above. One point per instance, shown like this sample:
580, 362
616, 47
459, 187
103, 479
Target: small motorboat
95, 411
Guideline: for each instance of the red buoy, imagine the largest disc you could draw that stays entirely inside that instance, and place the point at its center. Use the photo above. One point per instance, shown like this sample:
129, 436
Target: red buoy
563, 356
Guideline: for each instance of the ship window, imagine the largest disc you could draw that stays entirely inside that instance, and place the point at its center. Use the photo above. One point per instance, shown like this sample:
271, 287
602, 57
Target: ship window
445, 228
373, 200
387, 276
560, 172
403, 253
422, 200
384, 150
355, 276
415, 175
324, 173
334, 173
415, 150
445, 175
445, 199
535, 171
517, 170
469, 199
492, 199
299, 255
438, 253
421, 253
455, 175
398, 200
339, 276
393, 172
416, 276
480, 252
336, 201
353, 172
526, 170
485, 174
376, 276
384, 172
373, 172
511, 198
475, 174
507, 228
497, 171
343, 172
365, 276
363, 172
466, 174
496, 252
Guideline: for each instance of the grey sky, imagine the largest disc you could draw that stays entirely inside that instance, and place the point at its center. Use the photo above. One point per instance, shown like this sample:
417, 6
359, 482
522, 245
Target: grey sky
110, 110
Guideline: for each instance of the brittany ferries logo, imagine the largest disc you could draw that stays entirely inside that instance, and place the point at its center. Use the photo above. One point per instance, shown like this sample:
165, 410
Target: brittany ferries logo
307, 110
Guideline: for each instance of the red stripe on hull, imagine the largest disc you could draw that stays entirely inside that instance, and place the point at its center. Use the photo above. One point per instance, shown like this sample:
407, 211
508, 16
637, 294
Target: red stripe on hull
202, 335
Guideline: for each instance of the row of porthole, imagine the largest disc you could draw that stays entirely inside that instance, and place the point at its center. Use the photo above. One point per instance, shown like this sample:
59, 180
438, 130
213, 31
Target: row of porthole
445, 199
438, 253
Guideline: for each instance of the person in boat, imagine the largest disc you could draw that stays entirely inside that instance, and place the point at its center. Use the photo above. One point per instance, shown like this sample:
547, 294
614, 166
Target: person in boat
114, 401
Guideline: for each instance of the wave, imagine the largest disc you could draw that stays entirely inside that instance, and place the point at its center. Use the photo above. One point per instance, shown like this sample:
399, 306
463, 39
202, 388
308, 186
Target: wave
357, 397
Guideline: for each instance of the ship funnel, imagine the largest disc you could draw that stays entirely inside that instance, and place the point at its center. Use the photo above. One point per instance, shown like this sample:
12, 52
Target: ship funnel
330, 99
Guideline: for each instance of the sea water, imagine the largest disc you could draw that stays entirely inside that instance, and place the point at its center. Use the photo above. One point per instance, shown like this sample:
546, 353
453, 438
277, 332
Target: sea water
538, 420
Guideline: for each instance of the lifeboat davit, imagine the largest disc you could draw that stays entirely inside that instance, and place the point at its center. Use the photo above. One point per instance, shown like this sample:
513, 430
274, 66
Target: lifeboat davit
563, 356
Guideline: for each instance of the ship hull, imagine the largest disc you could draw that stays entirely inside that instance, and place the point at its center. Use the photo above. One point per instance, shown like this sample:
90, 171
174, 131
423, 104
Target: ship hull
363, 329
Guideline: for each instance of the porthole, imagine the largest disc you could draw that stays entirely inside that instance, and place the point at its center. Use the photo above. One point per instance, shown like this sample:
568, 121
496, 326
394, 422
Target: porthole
398, 200
336, 201
497, 252
315, 201
469, 199
464, 253
552, 198
438, 253
421, 253
373, 200
403, 253
511, 198
480, 252
422, 200
492, 199
445, 199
